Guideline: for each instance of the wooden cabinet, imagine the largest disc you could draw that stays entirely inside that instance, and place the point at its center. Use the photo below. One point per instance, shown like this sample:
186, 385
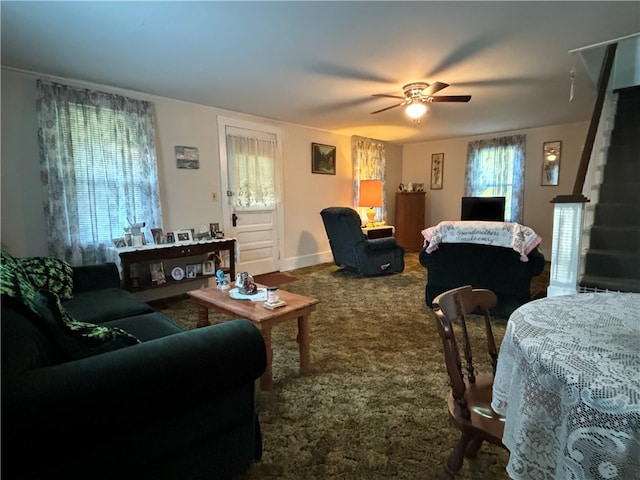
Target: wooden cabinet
409, 221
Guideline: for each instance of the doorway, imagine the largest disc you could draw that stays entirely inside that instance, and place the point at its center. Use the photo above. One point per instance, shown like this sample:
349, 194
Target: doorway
250, 176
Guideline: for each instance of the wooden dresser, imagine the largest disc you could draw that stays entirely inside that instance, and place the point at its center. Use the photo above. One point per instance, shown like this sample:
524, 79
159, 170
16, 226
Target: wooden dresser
409, 220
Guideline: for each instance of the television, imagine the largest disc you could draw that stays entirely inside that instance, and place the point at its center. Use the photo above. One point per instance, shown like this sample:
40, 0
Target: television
486, 209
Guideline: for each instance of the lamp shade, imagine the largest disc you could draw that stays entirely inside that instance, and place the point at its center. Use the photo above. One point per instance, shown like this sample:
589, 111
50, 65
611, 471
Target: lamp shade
370, 193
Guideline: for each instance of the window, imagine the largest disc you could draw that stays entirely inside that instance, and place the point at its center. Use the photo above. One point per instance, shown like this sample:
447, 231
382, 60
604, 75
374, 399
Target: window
495, 168
98, 168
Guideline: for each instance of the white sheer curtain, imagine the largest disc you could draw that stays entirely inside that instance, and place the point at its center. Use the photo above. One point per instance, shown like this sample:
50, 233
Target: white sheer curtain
252, 163
98, 169
368, 164
495, 167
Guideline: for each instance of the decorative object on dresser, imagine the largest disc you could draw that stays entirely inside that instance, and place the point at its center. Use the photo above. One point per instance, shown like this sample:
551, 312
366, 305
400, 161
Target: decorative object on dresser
409, 219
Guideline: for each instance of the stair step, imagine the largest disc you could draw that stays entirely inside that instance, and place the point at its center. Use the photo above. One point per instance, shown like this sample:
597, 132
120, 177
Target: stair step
622, 172
617, 214
620, 192
623, 153
596, 282
624, 134
612, 263
625, 238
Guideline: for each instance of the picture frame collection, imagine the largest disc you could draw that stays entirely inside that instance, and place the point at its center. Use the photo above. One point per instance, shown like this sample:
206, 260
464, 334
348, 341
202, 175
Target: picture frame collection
191, 271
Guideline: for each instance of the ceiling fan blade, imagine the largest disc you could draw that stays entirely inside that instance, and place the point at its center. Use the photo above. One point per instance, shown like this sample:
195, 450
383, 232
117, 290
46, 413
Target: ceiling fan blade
385, 95
450, 98
434, 87
388, 108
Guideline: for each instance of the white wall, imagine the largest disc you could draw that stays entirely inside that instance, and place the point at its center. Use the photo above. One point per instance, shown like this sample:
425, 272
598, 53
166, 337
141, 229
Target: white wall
538, 211
185, 194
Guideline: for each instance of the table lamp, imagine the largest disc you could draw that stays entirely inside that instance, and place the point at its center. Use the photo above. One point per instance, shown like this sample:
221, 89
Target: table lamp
370, 196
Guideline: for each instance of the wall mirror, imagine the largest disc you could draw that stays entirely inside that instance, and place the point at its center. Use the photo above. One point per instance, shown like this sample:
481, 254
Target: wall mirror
551, 162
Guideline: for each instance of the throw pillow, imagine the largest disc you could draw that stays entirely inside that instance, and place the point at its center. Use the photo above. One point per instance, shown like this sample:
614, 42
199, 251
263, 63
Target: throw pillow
77, 339
52, 274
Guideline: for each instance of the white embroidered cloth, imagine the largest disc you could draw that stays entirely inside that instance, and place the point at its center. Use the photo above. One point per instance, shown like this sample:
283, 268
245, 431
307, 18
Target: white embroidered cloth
568, 383
502, 234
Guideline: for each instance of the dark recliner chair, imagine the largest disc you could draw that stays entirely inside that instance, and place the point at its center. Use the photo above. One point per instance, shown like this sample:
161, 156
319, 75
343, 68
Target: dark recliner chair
353, 250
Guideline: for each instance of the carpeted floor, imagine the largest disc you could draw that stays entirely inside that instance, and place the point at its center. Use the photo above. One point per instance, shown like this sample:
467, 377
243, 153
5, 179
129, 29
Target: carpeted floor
376, 406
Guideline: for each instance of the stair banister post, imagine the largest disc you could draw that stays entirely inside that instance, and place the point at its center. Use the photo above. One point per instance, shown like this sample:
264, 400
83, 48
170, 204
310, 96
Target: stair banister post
568, 215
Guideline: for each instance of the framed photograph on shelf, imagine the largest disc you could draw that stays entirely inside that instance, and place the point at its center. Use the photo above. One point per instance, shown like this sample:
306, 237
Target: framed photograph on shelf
183, 236
156, 233
323, 159
208, 267
437, 171
157, 273
192, 270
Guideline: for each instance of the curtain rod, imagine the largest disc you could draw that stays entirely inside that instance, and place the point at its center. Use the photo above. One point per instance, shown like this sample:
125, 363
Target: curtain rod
615, 40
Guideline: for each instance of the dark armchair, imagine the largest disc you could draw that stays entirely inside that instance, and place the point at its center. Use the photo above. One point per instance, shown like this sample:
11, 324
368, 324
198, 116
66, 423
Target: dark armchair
352, 249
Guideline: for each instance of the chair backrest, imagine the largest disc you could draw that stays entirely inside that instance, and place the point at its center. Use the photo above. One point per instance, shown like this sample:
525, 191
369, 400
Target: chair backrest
453, 306
344, 230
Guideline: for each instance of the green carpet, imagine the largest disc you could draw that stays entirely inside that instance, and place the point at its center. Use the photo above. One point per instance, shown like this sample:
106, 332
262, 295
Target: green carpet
376, 406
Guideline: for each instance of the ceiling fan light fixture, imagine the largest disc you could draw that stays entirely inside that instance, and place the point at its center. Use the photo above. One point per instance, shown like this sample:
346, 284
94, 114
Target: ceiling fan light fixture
416, 110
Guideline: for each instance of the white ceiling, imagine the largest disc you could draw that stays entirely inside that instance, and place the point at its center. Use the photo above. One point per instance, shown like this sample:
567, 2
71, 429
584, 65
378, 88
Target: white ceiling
318, 63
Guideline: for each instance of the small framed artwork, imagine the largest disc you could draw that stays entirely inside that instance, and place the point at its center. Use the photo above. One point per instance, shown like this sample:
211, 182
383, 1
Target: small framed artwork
157, 273
323, 159
208, 267
551, 163
192, 270
437, 171
213, 228
187, 157
156, 233
171, 238
183, 236
119, 242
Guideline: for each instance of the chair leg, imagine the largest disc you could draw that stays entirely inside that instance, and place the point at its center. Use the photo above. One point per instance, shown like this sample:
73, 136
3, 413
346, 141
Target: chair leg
473, 448
454, 462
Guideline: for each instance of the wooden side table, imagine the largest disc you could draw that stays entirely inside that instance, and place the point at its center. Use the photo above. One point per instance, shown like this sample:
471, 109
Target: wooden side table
379, 232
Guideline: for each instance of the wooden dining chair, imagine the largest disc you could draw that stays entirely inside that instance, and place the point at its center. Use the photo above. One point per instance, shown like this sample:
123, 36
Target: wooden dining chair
471, 392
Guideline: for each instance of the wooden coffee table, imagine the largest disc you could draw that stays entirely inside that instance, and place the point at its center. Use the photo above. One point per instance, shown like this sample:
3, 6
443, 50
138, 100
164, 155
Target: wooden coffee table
298, 307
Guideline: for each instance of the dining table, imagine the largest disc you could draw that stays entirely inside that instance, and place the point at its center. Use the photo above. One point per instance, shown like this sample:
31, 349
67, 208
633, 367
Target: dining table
568, 384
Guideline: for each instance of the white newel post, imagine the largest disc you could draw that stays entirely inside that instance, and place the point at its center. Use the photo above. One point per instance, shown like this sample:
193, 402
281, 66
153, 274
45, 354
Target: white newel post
568, 215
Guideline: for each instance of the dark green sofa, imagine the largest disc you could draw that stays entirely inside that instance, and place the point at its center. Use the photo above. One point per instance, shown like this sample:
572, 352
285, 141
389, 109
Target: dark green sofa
139, 399
499, 269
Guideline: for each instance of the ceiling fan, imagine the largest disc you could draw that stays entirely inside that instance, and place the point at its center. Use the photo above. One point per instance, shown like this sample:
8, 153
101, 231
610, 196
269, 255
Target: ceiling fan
416, 94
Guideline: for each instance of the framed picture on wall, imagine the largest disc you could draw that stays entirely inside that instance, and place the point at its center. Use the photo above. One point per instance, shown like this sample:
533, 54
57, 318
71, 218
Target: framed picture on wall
437, 170
551, 163
323, 159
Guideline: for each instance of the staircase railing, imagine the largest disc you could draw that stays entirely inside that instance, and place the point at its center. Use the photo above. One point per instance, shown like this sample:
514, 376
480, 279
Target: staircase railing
568, 215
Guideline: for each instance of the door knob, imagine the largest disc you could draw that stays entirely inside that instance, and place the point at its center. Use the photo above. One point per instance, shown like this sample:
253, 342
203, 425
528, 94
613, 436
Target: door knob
234, 219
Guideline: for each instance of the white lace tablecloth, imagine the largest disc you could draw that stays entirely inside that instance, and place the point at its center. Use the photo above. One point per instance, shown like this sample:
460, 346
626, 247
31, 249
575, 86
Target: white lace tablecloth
568, 383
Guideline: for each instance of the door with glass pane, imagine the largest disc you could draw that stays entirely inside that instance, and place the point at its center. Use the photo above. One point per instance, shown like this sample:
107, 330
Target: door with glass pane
249, 155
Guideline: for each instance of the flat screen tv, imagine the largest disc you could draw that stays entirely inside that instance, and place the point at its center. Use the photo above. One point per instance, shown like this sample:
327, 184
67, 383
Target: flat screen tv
486, 209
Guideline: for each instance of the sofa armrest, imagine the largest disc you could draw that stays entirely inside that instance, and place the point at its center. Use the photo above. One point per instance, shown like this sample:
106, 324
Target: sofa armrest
108, 394
95, 277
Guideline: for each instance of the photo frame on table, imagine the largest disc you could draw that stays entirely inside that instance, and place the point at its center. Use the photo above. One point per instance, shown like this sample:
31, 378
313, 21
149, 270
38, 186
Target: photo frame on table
171, 238
182, 236
437, 171
156, 234
192, 270
208, 267
323, 159
157, 273
551, 153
